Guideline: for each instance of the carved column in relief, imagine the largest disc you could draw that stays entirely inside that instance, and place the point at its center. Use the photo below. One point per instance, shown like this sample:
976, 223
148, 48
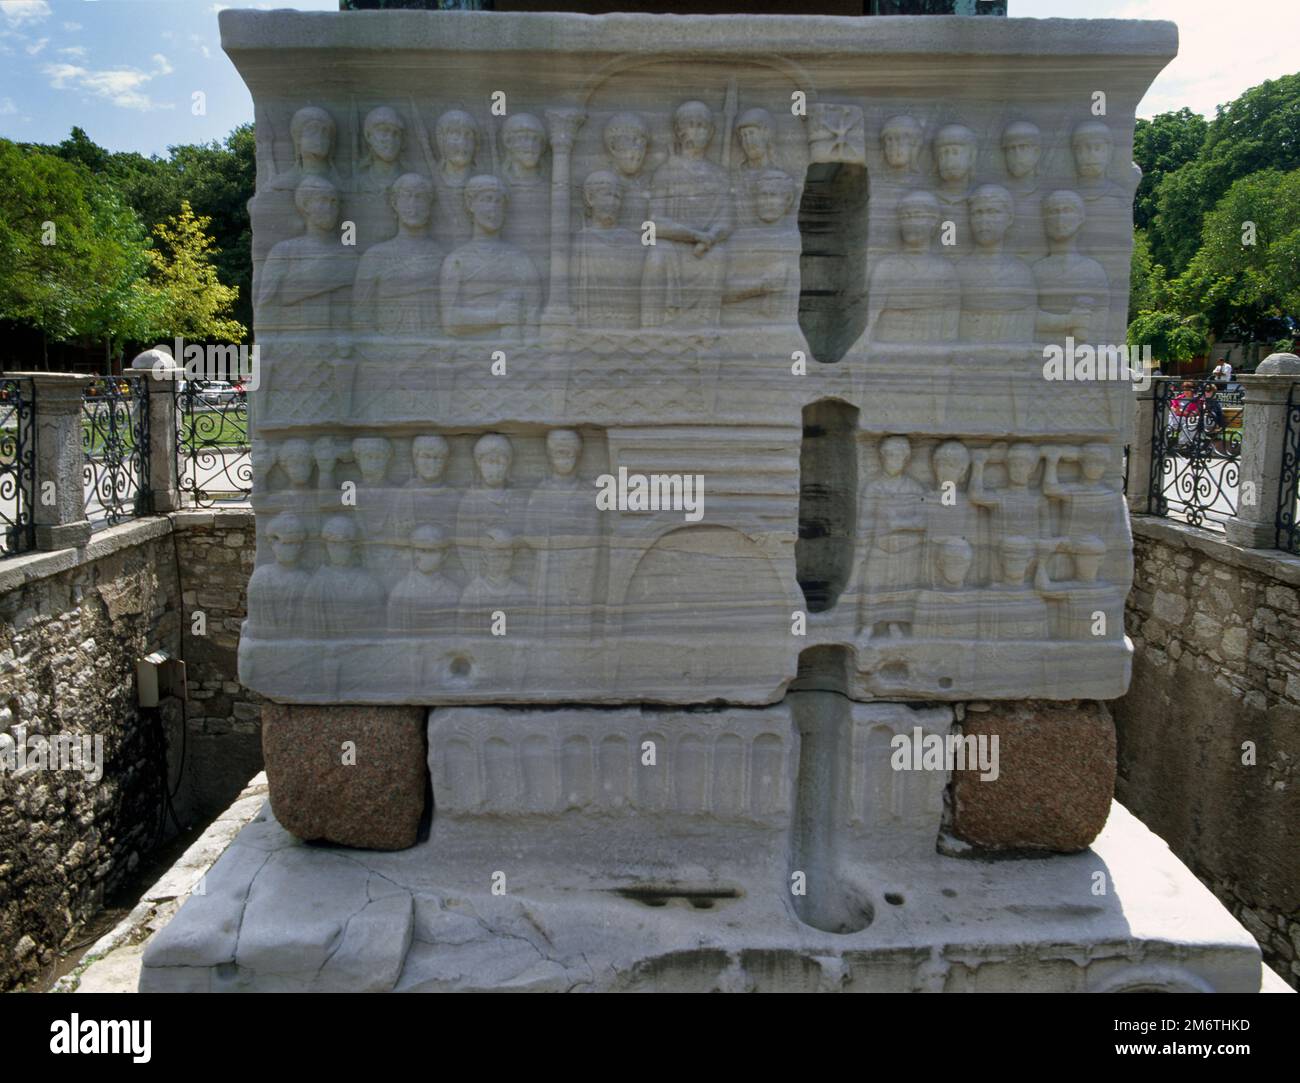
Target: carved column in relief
564, 125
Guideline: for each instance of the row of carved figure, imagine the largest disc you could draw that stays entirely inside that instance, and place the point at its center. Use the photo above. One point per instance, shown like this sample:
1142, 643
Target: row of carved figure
921, 572
560, 526
725, 247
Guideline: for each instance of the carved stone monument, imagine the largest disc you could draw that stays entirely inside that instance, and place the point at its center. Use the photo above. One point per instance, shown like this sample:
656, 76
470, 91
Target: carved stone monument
684, 450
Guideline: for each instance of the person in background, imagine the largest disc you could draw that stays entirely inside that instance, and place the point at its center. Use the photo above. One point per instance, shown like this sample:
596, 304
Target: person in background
1222, 373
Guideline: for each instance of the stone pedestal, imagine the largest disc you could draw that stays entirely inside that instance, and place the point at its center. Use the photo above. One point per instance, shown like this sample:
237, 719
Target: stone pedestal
162, 388
1264, 427
59, 510
348, 775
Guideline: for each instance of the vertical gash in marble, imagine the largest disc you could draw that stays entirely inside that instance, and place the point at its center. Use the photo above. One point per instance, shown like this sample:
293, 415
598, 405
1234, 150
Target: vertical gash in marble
639, 393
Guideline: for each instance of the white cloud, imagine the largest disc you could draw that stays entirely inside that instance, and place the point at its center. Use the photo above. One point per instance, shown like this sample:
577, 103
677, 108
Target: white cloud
71, 27
7, 107
121, 86
163, 65
22, 12
36, 46
207, 53
77, 51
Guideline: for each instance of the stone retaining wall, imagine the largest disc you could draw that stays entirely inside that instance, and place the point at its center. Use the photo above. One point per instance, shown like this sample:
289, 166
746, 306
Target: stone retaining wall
73, 624
1216, 674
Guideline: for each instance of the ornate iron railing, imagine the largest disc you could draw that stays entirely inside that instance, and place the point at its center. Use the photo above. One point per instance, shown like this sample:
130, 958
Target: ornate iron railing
1195, 453
115, 441
17, 464
213, 463
1288, 531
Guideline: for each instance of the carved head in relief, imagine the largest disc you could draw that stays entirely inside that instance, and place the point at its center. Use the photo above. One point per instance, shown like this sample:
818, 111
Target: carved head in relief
954, 152
1094, 461
918, 215
456, 134
524, 137
563, 446
1021, 461
340, 536
287, 534
372, 454
692, 128
773, 195
627, 139
485, 199
429, 456
411, 196
1092, 145
954, 561
384, 130
317, 201
1088, 552
602, 196
312, 130
1022, 147
493, 455
894, 453
429, 545
498, 554
297, 461
951, 460
1063, 215
756, 131
900, 139
991, 212
1015, 553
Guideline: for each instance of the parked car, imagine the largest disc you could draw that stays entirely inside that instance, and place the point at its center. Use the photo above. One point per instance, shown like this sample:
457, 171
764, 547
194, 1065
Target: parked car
218, 393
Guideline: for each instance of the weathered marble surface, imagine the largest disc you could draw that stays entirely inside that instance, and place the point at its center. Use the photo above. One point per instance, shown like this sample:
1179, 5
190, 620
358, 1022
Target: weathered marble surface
497, 304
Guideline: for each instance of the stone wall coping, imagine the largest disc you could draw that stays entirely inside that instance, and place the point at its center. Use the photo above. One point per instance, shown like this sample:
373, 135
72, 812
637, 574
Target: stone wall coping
950, 35
1274, 563
24, 568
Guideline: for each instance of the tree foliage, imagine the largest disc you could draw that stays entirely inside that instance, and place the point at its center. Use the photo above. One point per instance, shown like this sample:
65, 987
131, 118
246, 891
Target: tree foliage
1160, 146
1171, 336
193, 302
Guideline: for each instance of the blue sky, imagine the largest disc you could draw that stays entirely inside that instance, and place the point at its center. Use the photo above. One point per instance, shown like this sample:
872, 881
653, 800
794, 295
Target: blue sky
126, 70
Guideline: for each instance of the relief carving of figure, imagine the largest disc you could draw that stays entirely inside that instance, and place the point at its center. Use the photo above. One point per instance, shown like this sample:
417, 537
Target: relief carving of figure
1011, 608
490, 289
915, 296
424, 600
607, 259
528, 226
305, 283
1022, 150
951, 513
955, 150
1089, 506
563, 528
380, 165
900, 140
347, 600
1072, 289
690, 206
313, 132
1081, 600
756, 134
490, 504
627, 141
457, 138
895, 519
999, 300
327, 452
396, 291
1093, 146
426, 498
1017, 508
949, 609
493, 587
277, 588
297, 461
763, 260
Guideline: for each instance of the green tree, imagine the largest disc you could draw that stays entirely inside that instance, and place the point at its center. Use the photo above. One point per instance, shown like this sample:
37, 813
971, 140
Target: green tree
1148, 289
1259, 130
1160, 146
1245, 277
1172, 336
194, 302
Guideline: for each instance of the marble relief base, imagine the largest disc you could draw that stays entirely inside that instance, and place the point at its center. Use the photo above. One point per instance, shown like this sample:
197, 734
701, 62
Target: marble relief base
659, 670
281, 916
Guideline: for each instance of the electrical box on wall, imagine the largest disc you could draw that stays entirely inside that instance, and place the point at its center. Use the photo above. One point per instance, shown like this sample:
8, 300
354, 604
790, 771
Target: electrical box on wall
159, 675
